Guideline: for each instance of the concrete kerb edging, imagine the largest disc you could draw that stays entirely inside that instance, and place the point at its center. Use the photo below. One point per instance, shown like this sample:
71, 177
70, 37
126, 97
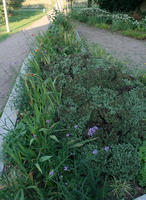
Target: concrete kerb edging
9, 116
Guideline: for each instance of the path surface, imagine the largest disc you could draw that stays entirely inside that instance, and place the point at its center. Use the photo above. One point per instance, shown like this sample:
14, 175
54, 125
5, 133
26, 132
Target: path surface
124, 48
13, 50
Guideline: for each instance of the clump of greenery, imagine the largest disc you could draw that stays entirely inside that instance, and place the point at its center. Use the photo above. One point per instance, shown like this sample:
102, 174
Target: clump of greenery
96, 93
124, 23
142, 172
119, 5
81, 122
10, 6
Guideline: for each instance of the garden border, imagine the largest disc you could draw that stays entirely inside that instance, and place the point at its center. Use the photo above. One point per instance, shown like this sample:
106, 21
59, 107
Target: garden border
9, 116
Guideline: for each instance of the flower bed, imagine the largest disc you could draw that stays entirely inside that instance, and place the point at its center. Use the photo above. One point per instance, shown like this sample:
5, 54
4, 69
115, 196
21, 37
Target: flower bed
80, 126
117, 22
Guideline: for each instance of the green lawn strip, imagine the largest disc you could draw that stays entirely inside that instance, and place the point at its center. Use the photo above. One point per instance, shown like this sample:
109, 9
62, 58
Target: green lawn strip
20, 19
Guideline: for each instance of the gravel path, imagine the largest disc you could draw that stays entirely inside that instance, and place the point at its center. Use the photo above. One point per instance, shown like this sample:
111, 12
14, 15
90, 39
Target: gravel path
13, 50
124, 48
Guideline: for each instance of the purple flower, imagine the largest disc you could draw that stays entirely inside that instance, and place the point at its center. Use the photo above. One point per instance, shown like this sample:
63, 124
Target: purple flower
65, 168
67, 135
47, 121
35, 136
95, 151
92, 130
51, 173
76, 126
106, 148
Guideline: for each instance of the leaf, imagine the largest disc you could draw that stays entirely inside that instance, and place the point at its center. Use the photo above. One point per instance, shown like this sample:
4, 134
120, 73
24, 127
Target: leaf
43, 130
54, 138
82, 143
22, 195
38, 167
31, 141
45, 158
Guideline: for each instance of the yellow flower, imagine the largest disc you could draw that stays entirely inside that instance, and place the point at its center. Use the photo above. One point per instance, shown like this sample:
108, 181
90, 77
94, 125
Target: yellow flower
36, 50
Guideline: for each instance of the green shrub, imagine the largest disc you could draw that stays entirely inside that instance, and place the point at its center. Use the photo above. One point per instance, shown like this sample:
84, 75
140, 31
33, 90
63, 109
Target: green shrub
142, 172
119, 5
119, 161
94, 92
11, 5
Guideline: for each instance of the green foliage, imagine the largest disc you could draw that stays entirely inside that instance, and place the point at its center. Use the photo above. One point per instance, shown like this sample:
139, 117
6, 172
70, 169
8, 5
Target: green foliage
11, 5
142, 172
120, 161
67, 91
121, 189
96, 93
125, 23
119, 5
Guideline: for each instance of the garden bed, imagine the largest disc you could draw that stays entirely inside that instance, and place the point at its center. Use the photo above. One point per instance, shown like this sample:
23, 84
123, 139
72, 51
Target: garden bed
133, 26
81, 125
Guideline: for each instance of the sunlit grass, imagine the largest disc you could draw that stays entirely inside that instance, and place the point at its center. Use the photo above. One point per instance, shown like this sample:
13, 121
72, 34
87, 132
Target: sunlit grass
24, 16
20, 19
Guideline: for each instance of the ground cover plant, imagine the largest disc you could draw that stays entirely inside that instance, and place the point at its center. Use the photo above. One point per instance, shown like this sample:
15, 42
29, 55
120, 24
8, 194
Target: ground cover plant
80, 128
131, 25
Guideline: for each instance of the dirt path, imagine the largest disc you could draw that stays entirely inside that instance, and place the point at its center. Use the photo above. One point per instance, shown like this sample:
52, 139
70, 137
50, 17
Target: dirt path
13, 50
124, 48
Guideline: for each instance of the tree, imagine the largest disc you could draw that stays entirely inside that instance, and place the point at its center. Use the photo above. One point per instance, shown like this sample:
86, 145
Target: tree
89, 3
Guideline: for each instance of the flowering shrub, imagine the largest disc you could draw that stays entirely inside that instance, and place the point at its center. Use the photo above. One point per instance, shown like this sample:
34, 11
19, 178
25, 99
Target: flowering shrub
118, 21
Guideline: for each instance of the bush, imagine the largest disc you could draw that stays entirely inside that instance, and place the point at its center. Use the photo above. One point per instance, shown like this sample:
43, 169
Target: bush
11, 5
142, 172
119, 161
119, 5
96, 93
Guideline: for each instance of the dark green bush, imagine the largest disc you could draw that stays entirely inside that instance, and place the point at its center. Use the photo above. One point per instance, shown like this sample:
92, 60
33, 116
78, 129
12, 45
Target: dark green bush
142, 172
11, 5
119, 5
94, 92
120, 161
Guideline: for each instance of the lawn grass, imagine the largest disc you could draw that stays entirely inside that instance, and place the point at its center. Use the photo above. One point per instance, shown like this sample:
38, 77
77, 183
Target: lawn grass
24, 16
20, 19
38, 3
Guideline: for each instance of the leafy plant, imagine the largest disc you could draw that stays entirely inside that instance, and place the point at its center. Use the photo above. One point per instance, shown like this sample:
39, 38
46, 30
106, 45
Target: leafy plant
119, 5
142, 171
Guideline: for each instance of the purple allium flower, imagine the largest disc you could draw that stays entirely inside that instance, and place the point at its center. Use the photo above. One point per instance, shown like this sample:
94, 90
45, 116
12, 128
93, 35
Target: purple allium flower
95, 151
67, 135
106, 148
76, 126
47, 121
65, 168
92, 130
51, 173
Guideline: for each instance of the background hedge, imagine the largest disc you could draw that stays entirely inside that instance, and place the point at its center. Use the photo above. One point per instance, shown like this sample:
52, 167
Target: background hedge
11, 5
119, 5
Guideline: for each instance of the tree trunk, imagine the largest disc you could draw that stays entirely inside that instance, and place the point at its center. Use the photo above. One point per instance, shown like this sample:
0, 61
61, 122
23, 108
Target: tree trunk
89, 3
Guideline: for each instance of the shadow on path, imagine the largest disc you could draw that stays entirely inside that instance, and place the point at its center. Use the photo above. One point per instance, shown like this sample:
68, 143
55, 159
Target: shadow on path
13, 50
